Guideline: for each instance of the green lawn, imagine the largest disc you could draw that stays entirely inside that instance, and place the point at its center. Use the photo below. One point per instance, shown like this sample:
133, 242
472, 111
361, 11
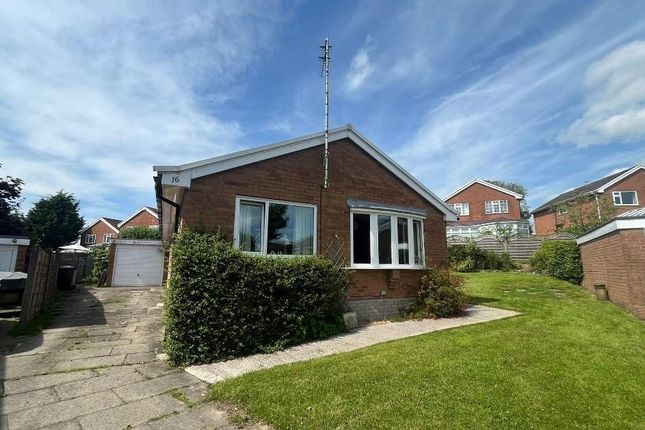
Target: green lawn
568, 361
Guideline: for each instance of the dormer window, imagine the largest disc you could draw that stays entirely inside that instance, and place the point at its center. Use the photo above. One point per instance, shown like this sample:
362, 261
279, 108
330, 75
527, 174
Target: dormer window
461, 208
625, 198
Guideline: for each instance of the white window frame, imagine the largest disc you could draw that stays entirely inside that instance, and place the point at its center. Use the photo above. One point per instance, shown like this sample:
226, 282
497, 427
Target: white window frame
620, 194
265, 223
492, 207
394, 240
87, 239
107, 236
461, 210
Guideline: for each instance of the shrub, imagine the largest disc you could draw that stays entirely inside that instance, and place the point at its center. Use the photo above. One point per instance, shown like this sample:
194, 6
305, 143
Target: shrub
100, 256
470, 258
140, 232
560, 259
221, 303
440, 296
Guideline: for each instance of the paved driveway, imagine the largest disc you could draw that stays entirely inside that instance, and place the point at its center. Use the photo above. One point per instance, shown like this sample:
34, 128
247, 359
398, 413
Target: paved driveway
95, 368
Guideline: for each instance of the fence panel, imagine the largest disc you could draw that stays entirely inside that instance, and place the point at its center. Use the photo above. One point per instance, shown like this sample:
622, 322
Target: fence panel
520, 249
83, 262
40, 288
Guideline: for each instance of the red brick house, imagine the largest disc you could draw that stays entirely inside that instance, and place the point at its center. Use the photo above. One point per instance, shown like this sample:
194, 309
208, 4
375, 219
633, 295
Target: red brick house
271, 200
613, 260
624, 190
481, 206
144, 217
100, 232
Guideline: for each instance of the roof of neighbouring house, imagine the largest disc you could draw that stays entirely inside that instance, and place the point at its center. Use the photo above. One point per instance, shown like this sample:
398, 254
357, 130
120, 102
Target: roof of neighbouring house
152, 211
634, 219
597, 186
486, 184
113, 223
183, 174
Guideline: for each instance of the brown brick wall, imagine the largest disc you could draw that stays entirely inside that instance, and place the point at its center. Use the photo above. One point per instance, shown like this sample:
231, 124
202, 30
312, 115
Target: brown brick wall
143, 218
21, 258
100, 228
110, 268
617, 260
477, 194
210, 204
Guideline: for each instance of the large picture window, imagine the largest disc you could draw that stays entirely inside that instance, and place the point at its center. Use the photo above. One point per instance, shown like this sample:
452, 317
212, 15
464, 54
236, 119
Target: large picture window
625, 198
386, 240
275, 227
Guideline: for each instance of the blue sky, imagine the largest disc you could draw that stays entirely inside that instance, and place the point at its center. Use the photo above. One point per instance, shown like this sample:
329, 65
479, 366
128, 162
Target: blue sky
548, 94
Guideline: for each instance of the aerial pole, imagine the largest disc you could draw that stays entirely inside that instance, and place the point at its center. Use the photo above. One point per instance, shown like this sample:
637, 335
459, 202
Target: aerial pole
325, 73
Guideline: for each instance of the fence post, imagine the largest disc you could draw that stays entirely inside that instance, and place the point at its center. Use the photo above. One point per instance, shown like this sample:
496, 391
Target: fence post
27, 297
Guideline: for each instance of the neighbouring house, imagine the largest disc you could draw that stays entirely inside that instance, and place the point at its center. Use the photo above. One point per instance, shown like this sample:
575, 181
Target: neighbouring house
271, 200
613, 260
100, 232
13, 253
623, 190
482, 206
144, 217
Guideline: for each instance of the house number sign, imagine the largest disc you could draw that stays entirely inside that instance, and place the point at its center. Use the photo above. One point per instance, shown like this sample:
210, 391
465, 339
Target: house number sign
176, 179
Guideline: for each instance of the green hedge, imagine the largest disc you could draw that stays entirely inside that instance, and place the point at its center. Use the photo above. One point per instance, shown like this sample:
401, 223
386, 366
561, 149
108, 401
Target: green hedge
221, 303
100, 256
470, 258
441, 295
560, 259
140, 232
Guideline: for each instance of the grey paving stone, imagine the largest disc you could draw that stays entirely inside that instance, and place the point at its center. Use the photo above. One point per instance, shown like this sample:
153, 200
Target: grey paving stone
66, 410
196, 392
19, 369
88, 363
133, 348
205, 416
153, 387
140, 357
132, 414
32, 383
31, 399
155, 369
111, 377
76, 354
67, 425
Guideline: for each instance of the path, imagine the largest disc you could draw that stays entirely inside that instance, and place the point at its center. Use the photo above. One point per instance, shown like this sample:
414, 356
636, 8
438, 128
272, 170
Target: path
360, 338
95, 368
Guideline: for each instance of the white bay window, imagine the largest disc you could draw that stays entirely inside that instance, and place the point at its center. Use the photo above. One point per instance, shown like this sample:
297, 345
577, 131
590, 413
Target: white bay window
381, 240
275, 227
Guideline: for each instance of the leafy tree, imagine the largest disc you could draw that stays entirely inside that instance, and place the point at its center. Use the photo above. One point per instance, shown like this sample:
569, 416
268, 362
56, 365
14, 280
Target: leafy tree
516, 188
11, 221
54, 220
585, 214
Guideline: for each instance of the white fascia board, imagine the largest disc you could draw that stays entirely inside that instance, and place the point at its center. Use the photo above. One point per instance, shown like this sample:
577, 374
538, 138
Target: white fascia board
140, 242
97, 221
137, 213
618, 224
13, 241
486, 184
620, 178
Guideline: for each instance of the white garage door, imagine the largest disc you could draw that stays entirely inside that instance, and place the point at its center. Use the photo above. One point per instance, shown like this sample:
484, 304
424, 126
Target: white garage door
8, 255
138, 265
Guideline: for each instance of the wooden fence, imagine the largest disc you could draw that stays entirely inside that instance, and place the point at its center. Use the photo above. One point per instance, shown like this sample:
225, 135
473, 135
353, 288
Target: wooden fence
520, 249
42, 279
83, 262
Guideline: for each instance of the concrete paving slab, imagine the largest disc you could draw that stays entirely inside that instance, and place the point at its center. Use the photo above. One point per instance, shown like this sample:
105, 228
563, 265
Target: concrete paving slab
112, 377
19, 402
88, 363
202, 417
155, 386
33, 383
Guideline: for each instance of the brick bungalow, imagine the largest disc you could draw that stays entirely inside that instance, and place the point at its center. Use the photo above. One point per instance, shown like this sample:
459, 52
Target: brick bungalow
613, 259
271, 200
624, 190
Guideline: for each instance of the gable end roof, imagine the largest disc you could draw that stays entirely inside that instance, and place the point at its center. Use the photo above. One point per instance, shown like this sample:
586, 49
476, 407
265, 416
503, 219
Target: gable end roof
110, 222
151, 211
486, 184
237, 159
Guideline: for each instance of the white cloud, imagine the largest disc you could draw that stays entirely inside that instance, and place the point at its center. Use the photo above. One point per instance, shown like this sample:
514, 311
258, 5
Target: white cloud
360, 70
615, 109
92, 97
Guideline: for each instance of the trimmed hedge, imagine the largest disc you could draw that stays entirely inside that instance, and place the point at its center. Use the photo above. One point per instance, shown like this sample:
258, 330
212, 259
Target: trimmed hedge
100, 255
221, 303
140, 232
470, 258
560, 259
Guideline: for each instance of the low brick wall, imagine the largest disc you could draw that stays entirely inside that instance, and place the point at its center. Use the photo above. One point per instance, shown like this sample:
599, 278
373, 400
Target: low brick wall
378, 309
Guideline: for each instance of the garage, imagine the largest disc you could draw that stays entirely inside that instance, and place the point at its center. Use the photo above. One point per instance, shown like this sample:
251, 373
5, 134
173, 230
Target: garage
13, 251
137, 263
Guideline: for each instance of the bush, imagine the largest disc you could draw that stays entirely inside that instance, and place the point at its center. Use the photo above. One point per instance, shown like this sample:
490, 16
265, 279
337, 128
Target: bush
100, 256
140, 232
222, 303
440, 296
560, 259
470, 258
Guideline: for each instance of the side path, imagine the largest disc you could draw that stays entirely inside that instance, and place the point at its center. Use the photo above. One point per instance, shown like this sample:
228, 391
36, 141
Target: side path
95, 368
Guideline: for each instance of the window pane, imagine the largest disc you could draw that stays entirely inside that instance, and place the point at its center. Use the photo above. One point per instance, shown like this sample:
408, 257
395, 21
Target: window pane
503, 205
616, 198
404, 248
250, 227
418, 247
361, 239
489, 207
629, 197
290, 230
384, 240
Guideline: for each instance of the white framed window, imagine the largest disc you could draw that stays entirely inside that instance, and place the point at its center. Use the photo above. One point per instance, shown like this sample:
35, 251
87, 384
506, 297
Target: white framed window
275, 227
625, 198
461, 208
90, 239
107, 238
384, 240
496, 206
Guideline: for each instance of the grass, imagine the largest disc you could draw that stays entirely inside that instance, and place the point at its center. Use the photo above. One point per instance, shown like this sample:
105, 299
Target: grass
569, 361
